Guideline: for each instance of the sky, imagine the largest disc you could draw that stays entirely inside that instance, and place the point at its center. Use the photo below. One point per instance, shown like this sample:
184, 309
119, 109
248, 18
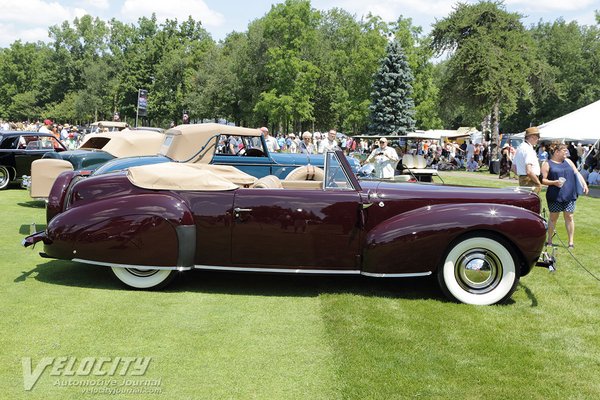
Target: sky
29, 20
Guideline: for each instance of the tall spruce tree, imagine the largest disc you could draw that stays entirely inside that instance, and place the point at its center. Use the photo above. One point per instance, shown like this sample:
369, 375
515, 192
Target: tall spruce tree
392, 107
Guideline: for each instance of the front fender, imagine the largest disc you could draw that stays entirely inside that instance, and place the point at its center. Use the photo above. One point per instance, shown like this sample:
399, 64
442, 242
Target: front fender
421, 237
143, 230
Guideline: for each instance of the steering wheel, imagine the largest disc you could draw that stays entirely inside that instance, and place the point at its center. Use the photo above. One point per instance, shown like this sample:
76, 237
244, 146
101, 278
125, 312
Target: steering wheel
255, 153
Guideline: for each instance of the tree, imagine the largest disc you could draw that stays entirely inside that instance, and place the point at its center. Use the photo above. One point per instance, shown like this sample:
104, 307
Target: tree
490, 60
348, 56
570, 55
392, 108
290, 32
418, 54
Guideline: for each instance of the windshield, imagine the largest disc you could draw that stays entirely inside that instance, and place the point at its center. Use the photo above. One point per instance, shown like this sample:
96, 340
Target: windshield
335, 175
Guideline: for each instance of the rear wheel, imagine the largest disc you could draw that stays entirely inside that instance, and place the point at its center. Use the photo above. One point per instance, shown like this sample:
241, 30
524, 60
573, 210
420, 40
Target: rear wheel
141, 278
4, 177
479, 270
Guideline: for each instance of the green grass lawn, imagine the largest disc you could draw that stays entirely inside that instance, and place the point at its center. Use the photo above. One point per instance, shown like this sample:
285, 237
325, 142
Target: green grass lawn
237, 336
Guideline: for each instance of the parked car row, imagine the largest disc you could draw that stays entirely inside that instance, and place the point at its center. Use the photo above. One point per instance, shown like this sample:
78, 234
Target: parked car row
196, 143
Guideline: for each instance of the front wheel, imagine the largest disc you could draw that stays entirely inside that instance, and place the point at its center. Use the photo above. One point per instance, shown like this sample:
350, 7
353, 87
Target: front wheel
4, 177
479, 271
140, 278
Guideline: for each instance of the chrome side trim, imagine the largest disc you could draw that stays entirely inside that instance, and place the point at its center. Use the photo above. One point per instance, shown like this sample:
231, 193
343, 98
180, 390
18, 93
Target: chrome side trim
105, 264
311, 271
278, 270
407, 275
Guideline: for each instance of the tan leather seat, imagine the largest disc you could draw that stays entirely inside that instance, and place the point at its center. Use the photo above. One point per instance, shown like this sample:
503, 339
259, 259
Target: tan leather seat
268, 182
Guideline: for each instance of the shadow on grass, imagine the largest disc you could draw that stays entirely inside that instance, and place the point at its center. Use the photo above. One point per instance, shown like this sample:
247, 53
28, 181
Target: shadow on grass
530, 295
69, 273
33, 204
25, 229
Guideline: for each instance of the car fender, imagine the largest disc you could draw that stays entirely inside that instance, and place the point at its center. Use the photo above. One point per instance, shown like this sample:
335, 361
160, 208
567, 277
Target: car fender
59, 191
148, 229
422, 236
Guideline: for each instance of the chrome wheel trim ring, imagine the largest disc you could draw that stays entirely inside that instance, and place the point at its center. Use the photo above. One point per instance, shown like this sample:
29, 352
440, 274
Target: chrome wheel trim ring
142, 273
478, 271
4, 176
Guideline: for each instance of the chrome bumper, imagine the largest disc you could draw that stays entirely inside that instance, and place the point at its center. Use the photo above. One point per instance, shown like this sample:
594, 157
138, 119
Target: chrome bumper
32, 239
26, 182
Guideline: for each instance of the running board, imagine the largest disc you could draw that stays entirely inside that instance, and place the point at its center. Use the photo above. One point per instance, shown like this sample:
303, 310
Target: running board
310, 271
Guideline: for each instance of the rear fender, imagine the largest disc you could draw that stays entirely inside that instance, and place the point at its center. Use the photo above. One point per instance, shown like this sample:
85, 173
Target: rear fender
58, 193
421, 237
139, 230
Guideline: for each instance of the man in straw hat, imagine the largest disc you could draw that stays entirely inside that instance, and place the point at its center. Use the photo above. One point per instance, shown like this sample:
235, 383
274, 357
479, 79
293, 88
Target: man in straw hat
526, 161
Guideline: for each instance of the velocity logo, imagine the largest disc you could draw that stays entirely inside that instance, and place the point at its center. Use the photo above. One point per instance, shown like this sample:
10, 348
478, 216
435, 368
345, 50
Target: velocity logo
84, 367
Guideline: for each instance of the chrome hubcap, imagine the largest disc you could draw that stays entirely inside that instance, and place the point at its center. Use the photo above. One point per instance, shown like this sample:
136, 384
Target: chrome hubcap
478, 271
3, 177
142, 273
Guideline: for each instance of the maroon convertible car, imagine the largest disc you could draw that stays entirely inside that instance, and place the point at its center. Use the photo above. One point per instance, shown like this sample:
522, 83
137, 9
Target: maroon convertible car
151, 222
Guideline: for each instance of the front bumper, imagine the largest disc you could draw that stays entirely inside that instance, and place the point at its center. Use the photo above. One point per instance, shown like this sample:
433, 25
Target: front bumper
32, 239
26, 182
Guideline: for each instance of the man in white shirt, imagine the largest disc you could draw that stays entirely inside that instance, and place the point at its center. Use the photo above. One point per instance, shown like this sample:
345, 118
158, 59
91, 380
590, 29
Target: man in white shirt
330, 143
46, 127
526, 161
272, 145
385, 159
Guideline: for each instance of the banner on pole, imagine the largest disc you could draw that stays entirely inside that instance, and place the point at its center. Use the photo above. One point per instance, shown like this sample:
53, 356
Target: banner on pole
143, 103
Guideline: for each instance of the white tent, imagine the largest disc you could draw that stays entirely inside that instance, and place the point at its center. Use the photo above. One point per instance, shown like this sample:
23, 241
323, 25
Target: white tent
438, 134
581, 124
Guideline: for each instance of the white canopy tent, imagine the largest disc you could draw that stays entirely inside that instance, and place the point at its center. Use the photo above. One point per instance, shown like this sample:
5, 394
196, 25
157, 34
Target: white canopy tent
437, 134
581, 124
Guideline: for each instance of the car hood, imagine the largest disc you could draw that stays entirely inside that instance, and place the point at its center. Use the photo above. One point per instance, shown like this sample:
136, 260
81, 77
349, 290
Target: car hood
430, 194
120, 164
68, 155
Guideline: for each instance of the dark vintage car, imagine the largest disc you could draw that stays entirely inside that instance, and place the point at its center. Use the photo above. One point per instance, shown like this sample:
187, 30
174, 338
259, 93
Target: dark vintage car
151, 222
19, 149
209, 143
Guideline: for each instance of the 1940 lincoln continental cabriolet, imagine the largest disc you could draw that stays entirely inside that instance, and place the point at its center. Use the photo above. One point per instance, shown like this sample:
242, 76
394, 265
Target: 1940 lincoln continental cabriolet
151, 222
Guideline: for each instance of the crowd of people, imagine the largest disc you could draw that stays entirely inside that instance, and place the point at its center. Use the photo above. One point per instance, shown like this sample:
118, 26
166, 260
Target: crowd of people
65, 133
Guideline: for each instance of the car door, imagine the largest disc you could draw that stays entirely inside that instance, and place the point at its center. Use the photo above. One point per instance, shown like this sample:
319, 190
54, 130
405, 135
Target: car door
252, 158
35, 148
296, 229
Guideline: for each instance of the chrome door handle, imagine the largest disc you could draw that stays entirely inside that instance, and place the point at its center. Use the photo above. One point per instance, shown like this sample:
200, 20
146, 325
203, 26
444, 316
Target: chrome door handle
239, 210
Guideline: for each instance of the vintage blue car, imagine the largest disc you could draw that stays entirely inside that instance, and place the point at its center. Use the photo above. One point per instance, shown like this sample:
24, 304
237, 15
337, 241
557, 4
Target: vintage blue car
210, 144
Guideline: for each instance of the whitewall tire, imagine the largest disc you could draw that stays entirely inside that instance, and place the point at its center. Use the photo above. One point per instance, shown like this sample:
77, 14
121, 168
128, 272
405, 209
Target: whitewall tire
140, 278
479, 270
4, 177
